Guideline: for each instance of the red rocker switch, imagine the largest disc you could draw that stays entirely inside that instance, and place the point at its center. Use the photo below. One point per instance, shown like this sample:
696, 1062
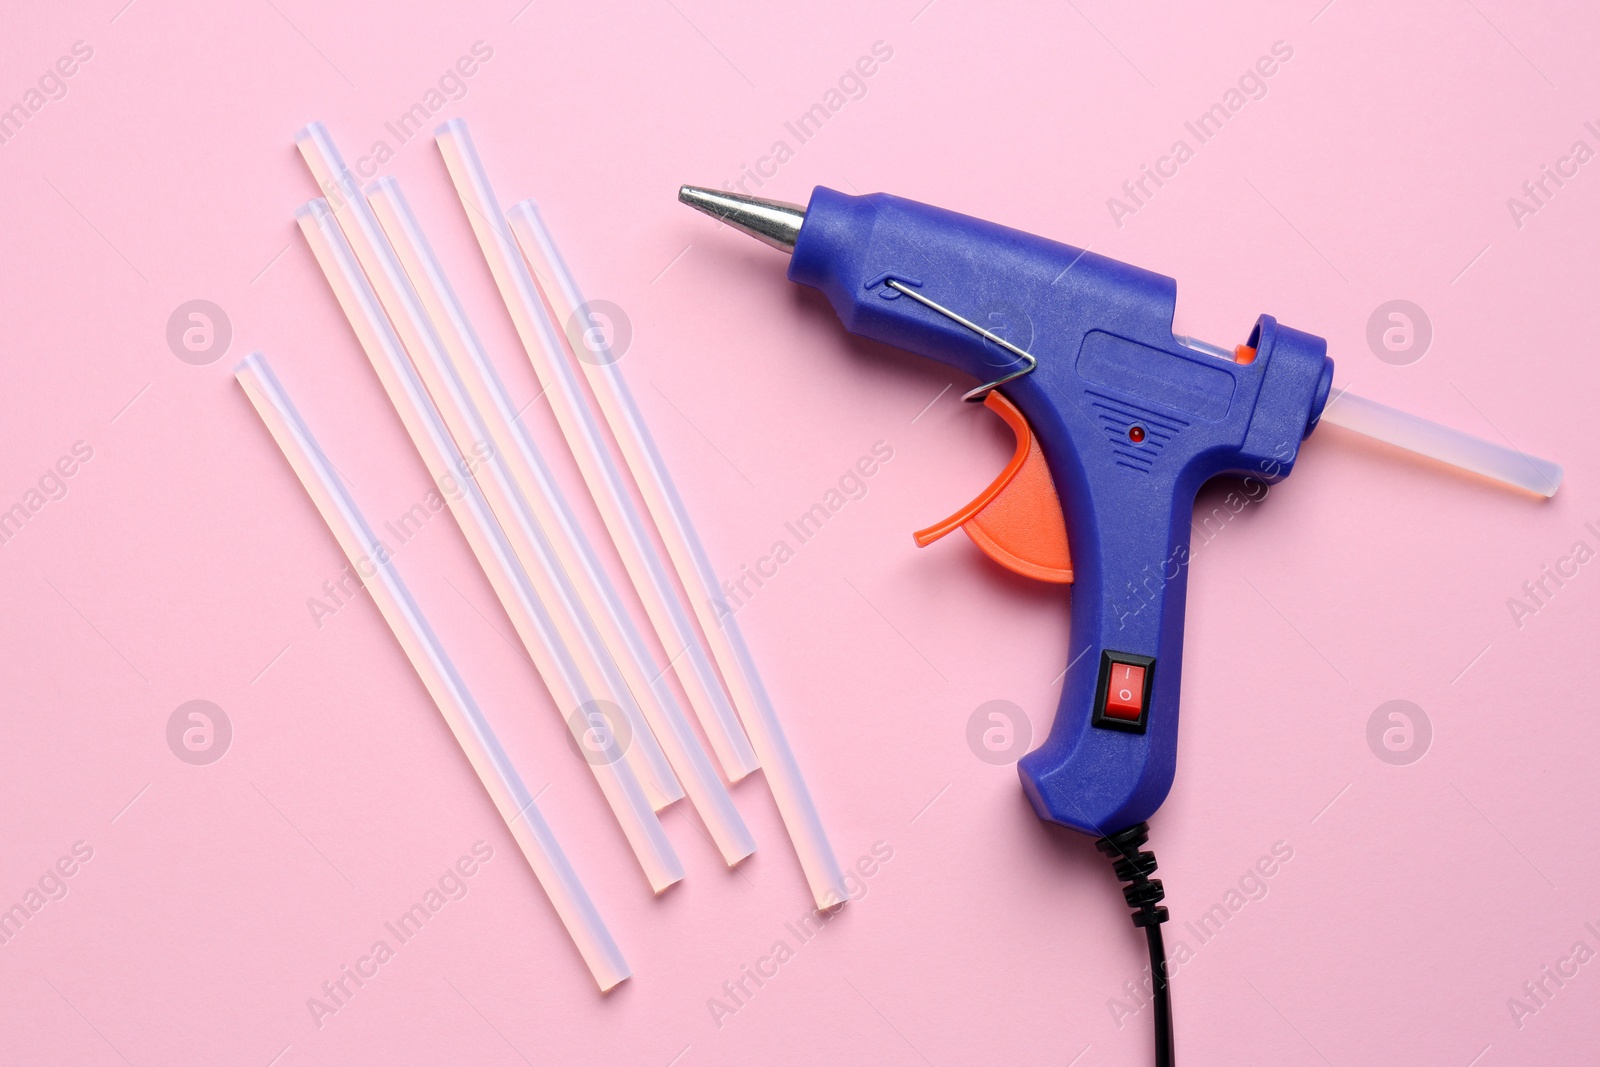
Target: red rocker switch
1125, 692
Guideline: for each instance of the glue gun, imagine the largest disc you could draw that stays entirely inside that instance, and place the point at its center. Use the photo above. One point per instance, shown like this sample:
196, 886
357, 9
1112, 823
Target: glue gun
1118, 424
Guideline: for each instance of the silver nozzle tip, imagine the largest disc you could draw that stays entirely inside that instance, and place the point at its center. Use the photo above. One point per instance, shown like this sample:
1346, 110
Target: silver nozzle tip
771, 222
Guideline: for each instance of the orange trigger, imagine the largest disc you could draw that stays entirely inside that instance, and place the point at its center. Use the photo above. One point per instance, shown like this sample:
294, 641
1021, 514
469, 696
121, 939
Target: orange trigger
1017, 520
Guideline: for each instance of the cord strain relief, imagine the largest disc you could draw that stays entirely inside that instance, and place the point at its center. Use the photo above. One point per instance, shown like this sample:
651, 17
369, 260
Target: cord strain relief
1131, 864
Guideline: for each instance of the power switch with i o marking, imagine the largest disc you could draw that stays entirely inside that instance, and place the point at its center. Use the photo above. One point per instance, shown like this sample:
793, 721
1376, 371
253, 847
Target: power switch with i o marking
1123, 694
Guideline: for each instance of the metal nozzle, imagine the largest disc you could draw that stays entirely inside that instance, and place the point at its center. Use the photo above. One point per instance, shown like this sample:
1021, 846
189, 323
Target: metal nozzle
771, 222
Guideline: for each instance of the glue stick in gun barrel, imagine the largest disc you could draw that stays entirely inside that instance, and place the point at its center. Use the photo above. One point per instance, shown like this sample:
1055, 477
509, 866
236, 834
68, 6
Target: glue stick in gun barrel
1118, 424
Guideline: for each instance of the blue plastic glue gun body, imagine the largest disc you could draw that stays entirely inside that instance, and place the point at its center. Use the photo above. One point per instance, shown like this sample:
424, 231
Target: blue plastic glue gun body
1127, 420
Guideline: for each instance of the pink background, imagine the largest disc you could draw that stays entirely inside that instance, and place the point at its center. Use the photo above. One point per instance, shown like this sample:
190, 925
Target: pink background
178, 564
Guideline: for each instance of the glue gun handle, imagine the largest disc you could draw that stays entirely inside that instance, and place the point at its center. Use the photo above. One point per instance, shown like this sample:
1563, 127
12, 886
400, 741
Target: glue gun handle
1109, 760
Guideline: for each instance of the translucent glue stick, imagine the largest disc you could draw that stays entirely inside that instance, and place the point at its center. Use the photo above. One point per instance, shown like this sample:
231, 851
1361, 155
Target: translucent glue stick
1416, 434
461, 712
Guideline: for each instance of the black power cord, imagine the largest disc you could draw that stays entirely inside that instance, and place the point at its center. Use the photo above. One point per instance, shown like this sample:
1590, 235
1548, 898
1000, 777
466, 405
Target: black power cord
1144, 894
